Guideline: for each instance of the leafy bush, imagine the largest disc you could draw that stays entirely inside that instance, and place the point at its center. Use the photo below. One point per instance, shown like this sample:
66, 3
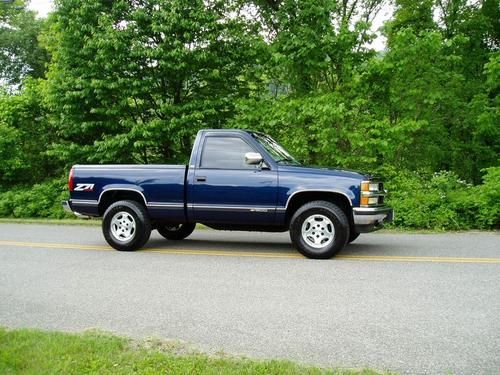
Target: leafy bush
40, 200
444, 201
487, 198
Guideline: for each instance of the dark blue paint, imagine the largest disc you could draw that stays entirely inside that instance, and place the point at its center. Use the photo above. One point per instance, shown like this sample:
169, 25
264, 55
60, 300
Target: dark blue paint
246, 196
241, 189
297, 178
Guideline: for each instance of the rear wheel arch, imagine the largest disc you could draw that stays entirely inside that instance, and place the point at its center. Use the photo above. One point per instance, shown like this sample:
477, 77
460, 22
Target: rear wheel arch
110, 196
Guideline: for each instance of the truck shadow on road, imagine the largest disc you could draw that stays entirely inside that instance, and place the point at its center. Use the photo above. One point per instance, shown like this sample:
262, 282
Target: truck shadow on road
216, 245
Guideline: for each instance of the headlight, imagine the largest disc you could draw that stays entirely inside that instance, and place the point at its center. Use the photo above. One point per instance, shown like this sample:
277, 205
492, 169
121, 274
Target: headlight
370, 186
372, 193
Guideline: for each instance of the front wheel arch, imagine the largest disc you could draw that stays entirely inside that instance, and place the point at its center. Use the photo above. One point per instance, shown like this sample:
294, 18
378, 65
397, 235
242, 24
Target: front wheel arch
298, 200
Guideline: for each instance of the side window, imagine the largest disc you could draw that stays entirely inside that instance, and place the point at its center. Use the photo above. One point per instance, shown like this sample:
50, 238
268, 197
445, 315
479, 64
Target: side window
225, 153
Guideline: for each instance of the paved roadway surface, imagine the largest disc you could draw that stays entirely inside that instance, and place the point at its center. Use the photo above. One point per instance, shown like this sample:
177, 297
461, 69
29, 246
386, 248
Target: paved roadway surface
420, 303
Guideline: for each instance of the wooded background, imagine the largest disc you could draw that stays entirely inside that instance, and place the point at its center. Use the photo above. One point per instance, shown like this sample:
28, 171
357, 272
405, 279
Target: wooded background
132, 81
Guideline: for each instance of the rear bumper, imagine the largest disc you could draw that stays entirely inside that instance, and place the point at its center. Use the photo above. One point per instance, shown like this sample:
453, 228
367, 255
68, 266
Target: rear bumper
370, 219
67, 207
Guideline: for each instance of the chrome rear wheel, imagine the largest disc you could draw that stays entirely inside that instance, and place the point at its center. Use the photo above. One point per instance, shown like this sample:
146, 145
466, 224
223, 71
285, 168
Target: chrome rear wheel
123, 226
126, 225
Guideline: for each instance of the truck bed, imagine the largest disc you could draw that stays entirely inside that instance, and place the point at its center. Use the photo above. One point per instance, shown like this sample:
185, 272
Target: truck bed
161, 186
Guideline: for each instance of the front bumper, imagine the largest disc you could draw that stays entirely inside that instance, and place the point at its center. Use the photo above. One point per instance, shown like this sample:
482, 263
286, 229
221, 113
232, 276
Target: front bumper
371, 218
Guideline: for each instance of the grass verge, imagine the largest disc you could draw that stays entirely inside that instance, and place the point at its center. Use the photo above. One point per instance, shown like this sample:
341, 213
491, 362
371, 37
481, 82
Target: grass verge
75, 221
29, 351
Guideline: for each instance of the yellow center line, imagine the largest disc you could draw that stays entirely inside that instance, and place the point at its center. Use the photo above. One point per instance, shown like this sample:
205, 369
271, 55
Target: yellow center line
230, 253
63, 246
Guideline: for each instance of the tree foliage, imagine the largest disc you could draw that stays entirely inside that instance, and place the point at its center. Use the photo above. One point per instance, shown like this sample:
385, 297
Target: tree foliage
21, 55
126, 81
133, 81
24, 137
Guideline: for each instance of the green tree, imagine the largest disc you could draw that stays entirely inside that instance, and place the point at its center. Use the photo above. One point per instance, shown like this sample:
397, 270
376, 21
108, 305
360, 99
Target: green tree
25, 136
316, 44
133, 81
471, 35
21, 54
416, 15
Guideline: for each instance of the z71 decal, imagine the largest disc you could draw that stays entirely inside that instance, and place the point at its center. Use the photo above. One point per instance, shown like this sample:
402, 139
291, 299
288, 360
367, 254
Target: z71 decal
84, 187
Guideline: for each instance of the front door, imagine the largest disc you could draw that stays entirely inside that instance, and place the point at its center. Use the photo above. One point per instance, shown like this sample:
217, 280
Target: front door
228, 190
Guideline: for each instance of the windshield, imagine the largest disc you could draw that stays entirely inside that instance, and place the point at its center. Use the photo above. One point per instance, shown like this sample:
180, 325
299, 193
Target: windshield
277, 152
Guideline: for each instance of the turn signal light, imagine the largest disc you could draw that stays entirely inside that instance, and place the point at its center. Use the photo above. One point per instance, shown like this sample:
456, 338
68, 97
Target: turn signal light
366, 200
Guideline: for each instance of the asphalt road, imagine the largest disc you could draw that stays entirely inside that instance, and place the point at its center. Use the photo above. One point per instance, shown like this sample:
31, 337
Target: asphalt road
420, 303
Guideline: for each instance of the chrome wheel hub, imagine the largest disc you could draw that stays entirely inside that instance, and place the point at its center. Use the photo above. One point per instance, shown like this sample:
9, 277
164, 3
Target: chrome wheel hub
318, 231
123, 226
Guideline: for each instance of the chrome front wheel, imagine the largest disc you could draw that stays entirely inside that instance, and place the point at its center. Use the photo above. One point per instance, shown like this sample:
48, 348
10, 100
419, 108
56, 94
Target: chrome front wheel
318, 231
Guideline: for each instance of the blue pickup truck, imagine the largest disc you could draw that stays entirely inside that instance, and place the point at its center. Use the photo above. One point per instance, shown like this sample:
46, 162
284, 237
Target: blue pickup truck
235, 180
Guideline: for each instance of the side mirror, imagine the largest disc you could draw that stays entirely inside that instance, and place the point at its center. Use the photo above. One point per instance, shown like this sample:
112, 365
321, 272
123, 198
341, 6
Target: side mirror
253, 158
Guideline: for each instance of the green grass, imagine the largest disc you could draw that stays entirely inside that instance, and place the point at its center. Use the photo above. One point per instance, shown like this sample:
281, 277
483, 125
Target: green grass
398, 230
75, 221
28, 351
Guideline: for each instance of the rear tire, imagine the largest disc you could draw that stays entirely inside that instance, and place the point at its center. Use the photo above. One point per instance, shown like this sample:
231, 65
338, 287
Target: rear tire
176, 232
126, 225
319, 229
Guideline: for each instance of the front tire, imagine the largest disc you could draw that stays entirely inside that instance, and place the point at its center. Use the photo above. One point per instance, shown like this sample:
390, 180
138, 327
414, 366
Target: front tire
126, 225
176, 232
319, 229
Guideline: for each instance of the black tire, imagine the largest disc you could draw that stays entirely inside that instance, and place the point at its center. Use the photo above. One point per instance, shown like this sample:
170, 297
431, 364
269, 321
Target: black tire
330, 219
118, 230
352, 236
176, 232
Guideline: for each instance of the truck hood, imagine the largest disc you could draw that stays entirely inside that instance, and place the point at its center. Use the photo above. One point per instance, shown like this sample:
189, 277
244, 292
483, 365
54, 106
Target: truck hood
325, 172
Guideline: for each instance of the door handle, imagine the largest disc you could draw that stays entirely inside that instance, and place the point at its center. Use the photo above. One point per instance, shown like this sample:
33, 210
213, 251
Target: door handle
201, 178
